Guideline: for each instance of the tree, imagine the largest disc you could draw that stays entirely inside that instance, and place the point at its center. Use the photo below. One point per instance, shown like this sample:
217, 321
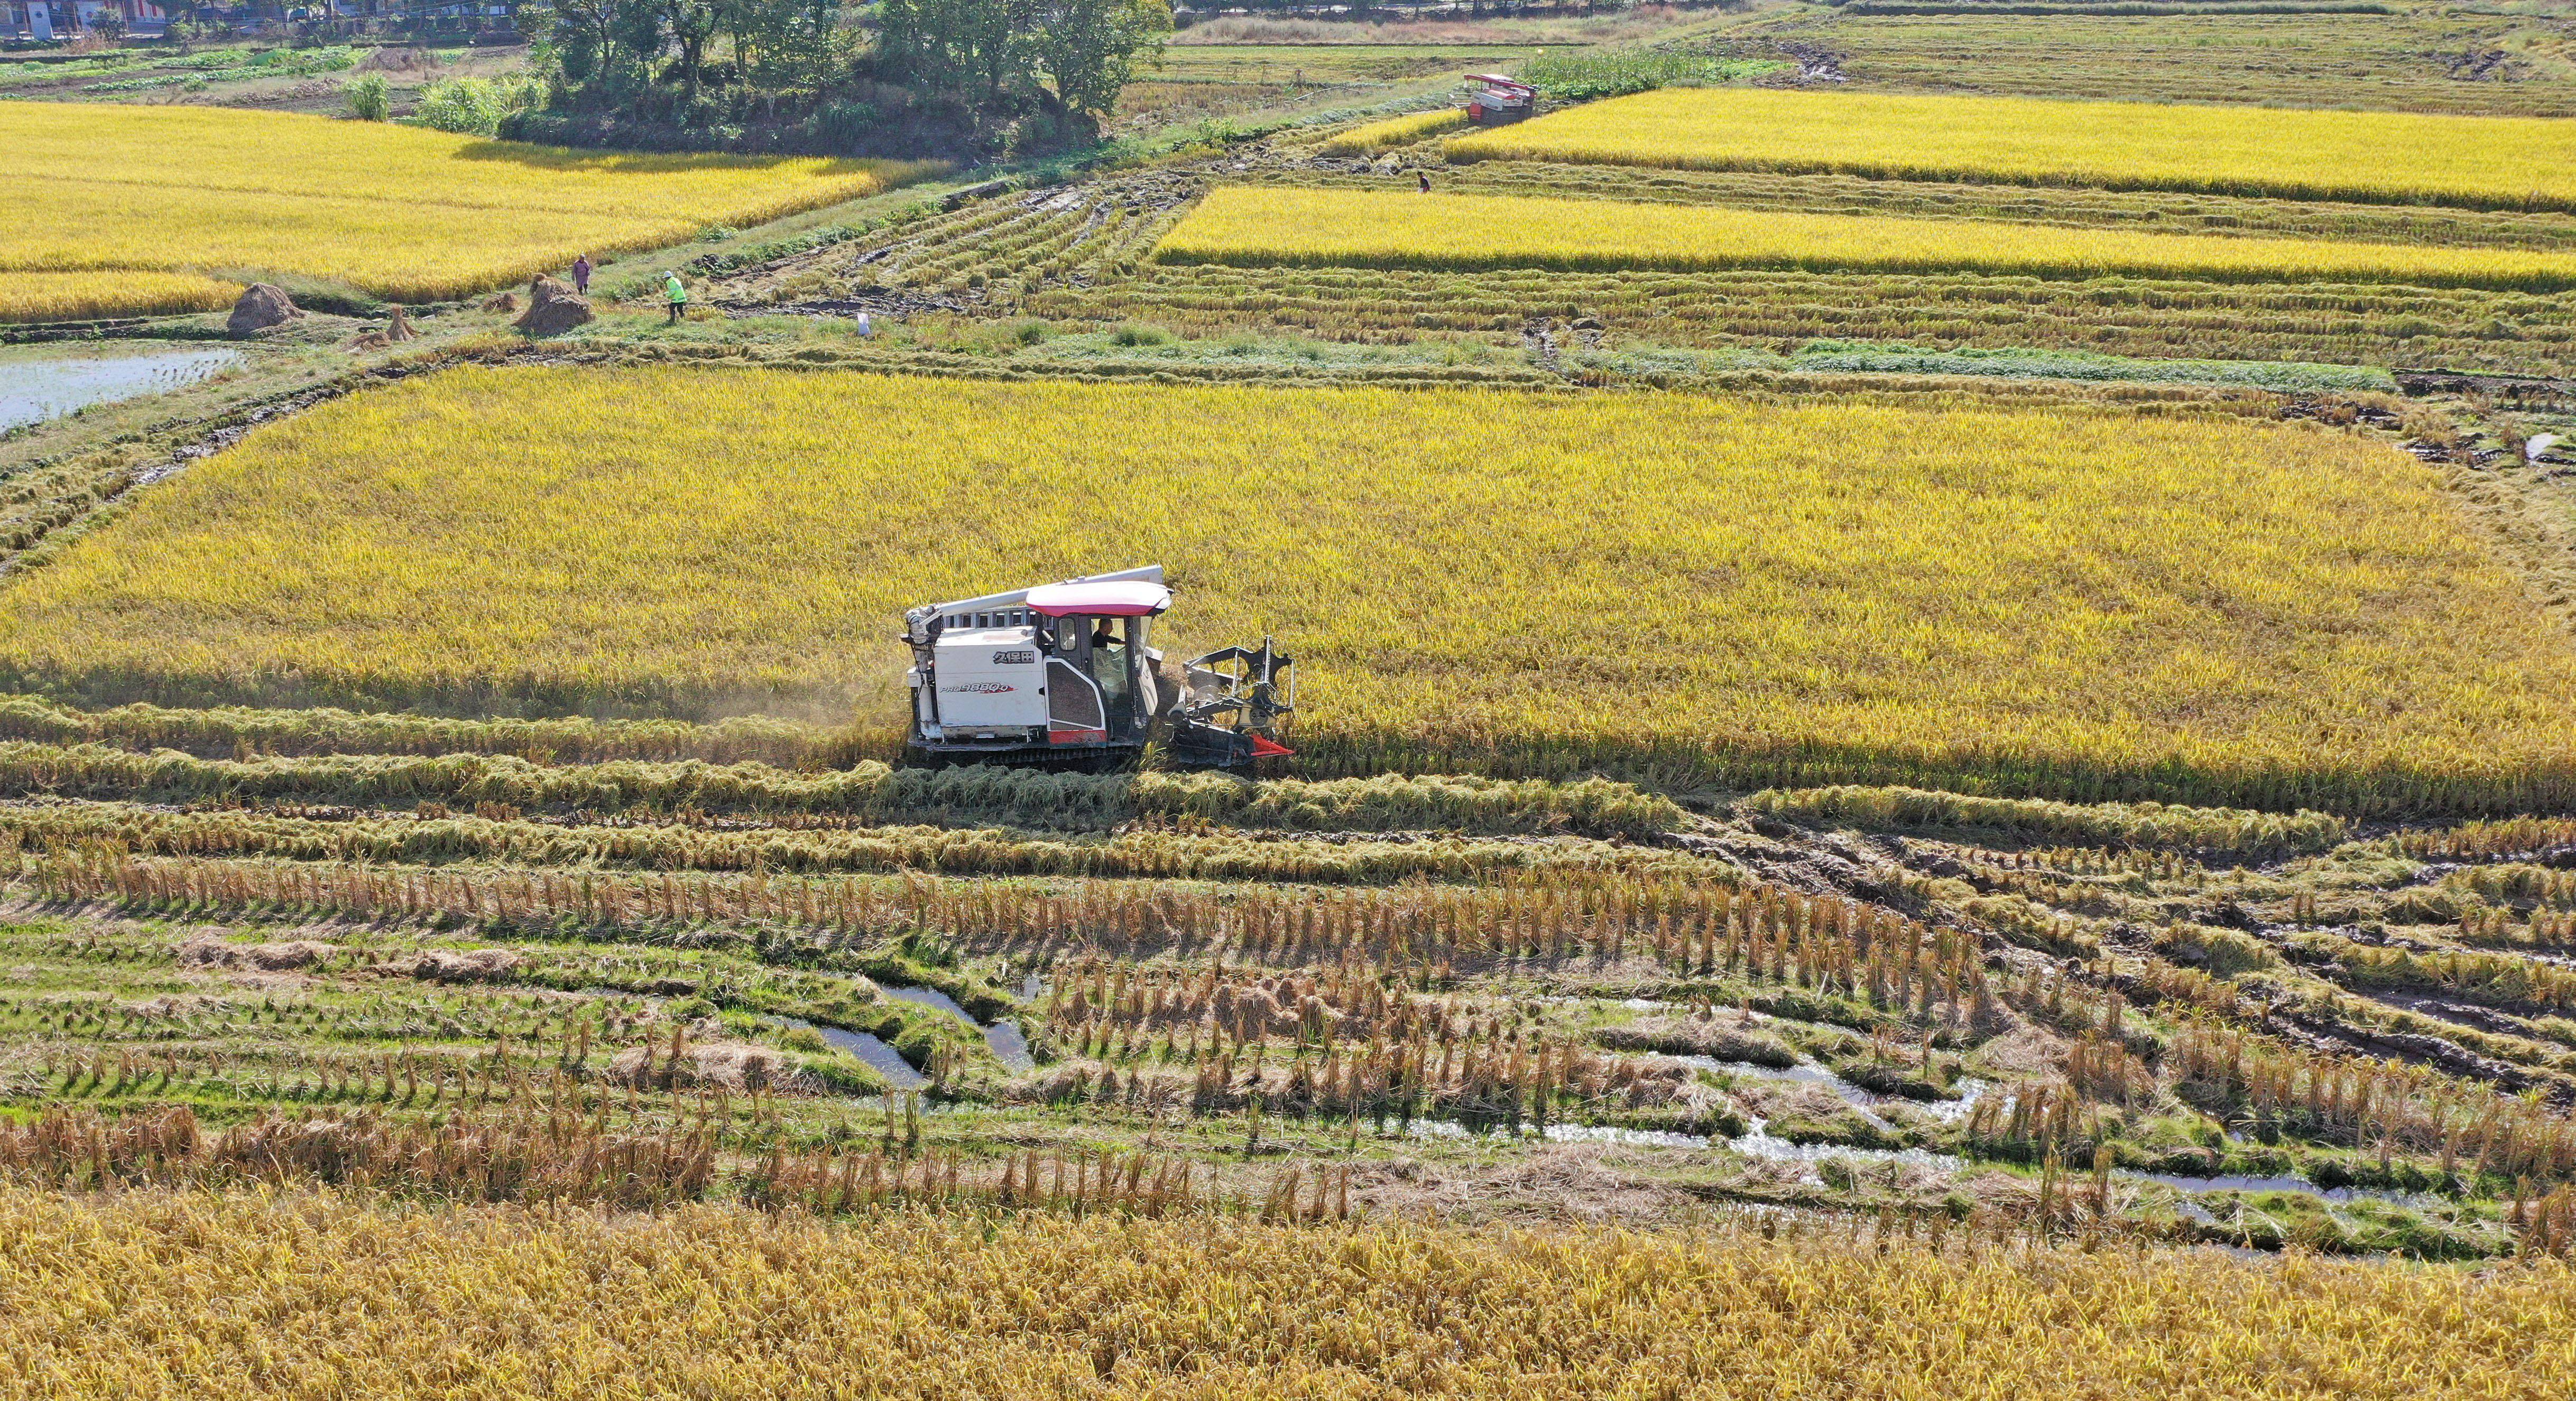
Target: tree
1090, 48
978, 48
983, 66
691, 24
1076, 53
785, 45
596, 43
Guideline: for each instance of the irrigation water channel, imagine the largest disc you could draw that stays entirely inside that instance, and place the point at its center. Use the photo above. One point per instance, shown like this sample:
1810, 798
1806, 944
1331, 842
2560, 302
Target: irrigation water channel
1008, 1044
1758, 1142
34, 388
1011, 1047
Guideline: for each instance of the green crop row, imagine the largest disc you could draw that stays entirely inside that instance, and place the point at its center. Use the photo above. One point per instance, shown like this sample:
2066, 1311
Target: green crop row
872, 791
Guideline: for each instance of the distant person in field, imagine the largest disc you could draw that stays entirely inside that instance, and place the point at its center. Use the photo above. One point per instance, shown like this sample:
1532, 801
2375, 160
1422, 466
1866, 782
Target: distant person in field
1425, 177
581, 274
678, 295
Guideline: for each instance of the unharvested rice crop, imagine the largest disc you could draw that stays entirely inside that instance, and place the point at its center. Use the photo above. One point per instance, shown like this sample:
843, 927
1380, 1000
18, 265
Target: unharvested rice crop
2400, 157
1374, 137
395, 210
156, 1294
2059, 603
81, 296
1272, 225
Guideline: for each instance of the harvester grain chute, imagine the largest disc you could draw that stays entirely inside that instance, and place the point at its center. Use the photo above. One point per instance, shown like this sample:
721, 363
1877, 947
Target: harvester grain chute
1065, 675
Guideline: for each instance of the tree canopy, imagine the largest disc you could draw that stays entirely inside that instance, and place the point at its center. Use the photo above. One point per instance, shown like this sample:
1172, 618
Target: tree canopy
1076, 53
703, 62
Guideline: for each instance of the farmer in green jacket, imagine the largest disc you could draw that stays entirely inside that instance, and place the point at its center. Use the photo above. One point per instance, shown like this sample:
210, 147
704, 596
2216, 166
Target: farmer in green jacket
678, 294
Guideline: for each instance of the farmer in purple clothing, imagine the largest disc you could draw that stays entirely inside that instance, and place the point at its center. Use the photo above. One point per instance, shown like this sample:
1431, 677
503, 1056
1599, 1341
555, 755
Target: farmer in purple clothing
581, 274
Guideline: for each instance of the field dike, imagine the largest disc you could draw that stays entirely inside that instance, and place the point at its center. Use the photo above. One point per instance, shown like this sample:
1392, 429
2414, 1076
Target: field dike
2150, 825
870, 791
810, 845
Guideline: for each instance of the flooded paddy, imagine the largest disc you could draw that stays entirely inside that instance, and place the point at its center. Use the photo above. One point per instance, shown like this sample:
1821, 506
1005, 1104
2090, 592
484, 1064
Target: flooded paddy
40, 383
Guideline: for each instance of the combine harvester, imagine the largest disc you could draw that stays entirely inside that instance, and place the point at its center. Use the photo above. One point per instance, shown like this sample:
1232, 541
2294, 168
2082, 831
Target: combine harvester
1497, 99
1065, 676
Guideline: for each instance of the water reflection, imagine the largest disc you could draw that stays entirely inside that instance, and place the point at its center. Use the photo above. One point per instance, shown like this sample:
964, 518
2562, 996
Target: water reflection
34, 389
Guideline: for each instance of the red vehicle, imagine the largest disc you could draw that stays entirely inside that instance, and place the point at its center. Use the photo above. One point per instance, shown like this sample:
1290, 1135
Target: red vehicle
1498, 99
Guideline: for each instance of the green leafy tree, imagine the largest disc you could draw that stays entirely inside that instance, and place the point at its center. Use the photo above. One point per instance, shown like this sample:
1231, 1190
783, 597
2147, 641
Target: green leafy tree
1090, 48
1076, 53
786, 45
601, 48
1065, 60
978, 48
691, 23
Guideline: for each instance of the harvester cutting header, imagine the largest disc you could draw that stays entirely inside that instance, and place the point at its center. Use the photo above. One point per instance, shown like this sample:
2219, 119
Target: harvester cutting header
1065, 676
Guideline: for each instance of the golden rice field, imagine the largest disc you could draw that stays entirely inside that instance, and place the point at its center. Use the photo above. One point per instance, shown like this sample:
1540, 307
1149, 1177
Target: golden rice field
1370, 138
1274, 225
70, 296
1523, 582
2402, 157
207, 1296
398, 211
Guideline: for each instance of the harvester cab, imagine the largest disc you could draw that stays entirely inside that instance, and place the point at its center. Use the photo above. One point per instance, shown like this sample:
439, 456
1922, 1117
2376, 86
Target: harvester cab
1066, 676
1495, 99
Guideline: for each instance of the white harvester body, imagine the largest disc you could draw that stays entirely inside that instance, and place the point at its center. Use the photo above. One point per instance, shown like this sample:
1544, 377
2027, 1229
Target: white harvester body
991, 679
